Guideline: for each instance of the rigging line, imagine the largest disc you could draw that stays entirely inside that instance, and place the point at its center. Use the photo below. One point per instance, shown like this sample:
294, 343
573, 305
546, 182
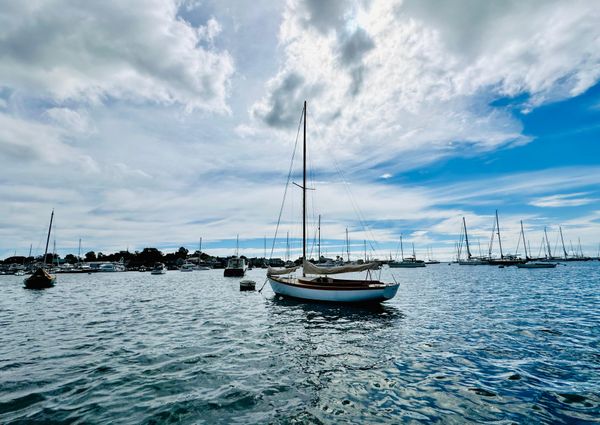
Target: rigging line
355, 207
287, 185
518, 244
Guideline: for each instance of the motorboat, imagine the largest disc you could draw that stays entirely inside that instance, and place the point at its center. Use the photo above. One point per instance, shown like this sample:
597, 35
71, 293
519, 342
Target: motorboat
236, 267
159, 268
187, 267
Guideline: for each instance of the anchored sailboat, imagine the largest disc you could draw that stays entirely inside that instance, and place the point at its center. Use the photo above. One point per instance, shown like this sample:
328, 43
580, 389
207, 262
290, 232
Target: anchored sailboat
407, 262
532, 265
41, 279
315, 283
470, 260
504, 260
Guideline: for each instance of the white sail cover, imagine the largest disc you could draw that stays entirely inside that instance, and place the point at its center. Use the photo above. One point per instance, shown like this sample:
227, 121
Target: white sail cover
277, 272
310, 268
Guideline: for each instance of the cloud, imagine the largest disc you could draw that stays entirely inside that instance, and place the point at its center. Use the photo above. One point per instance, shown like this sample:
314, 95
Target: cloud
563, 200
25, 142
324, 16
278, 111
69, 119
89, 52
353, 47
522, 184
394, 86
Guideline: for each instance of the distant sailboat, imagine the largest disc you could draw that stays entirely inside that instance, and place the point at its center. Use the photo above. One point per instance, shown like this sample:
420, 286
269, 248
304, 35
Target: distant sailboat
470, 260
201, 266
319, 286
407, 262
504, 260
41, 279
532, 265
430, 259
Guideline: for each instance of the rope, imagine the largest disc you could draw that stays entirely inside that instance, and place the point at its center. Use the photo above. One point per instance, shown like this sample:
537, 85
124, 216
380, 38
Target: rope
287, 185
263, 286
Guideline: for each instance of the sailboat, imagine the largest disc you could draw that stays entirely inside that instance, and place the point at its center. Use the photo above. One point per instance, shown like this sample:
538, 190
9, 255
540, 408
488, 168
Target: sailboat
41, 279
407, 262
315, 283
470, 260
504, 260
532, 265
201, 265
430, 259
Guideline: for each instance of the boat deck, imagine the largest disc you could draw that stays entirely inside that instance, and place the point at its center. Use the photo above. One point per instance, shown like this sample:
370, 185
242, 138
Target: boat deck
330, 283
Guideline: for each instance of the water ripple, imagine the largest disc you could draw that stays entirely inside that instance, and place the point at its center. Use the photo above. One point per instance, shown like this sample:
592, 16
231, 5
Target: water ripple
456, 345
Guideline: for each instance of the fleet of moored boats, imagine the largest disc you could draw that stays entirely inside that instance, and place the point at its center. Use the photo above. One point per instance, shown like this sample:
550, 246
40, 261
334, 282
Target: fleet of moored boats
312, 281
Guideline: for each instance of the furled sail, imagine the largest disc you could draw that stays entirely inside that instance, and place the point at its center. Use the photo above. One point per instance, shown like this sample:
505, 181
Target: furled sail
310, 268
277, 272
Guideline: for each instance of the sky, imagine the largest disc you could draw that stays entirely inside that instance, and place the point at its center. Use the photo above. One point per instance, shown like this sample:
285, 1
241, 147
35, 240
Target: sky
159, 122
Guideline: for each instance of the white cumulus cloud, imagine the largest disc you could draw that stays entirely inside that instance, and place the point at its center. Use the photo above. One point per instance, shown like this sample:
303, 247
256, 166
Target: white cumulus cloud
90, 51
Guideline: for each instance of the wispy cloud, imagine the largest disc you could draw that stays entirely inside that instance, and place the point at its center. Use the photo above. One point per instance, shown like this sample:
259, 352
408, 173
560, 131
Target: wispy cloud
563, 200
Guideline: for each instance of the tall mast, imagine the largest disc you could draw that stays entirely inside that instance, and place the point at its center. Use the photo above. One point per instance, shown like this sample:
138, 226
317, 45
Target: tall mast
347, 245
200, 250
237, 245
48, 238
499, 240
414, 255
304, 194
548, 243
563, 242
319, 239
524, 241
401, 248
580, 249
492, 241
467, 239
79, 253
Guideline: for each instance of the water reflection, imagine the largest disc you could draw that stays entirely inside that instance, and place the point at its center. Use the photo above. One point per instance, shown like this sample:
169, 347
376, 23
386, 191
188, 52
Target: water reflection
382, 314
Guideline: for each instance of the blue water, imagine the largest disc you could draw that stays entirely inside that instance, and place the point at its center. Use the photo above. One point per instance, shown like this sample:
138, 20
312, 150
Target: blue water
457, 344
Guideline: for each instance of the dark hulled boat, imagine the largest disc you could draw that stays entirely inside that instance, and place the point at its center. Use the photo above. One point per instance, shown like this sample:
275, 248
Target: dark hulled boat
41, 279
236, 267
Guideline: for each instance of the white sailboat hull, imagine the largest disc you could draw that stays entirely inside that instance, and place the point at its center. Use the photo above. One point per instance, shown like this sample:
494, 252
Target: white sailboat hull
291, 288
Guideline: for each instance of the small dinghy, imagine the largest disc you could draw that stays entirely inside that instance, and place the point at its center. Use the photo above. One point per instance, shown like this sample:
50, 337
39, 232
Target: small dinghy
537, 266
247, 285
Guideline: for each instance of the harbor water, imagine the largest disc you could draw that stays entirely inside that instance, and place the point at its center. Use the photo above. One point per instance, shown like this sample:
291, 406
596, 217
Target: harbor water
457, 344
